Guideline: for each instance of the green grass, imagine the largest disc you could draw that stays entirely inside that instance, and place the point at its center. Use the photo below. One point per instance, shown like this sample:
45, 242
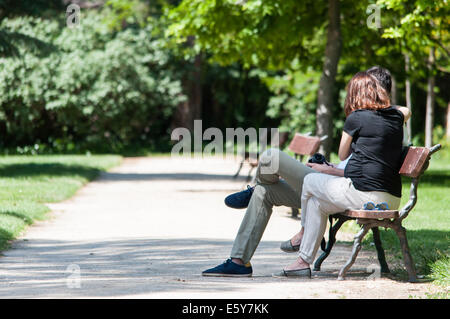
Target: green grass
28, 182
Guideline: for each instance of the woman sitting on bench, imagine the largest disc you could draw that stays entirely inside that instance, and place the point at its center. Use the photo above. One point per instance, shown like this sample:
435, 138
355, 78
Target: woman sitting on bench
373, 133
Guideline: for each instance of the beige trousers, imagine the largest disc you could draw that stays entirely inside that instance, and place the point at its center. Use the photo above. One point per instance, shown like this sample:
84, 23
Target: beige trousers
283, 186
324, 195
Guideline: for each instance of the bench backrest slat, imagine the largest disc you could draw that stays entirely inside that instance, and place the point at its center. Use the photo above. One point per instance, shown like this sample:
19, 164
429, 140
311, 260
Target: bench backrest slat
414, 162
304, 145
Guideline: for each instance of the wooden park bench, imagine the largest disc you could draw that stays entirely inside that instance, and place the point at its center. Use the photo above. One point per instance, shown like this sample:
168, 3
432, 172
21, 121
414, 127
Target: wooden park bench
302, 145
414, 165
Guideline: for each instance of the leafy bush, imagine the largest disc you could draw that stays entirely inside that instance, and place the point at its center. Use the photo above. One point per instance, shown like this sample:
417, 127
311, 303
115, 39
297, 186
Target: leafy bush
85, 88
294, 100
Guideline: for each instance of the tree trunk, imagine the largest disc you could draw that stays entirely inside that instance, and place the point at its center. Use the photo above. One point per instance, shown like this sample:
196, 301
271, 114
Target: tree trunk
191, 109
429, 116
447, 129
325, 100
408, 96
394, 91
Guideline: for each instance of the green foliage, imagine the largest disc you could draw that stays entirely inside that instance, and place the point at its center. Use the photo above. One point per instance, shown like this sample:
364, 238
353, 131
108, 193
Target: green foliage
98, 90
294, 99
129, 12
420, 25
259, 33
271, 35
13, 8
247, 104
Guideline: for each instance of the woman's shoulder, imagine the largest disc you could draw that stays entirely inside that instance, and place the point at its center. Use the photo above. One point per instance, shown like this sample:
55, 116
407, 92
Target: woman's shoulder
361, 112
390, 111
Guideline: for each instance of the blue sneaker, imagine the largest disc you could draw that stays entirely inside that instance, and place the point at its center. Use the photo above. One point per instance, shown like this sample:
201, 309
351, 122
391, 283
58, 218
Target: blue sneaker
240, 199
372, 206
229, 269
382, 206
369, 206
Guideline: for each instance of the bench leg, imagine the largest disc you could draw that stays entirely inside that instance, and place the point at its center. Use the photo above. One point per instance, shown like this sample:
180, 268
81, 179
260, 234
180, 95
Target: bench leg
294, 212
356, 248
380, 251
239, 169
331, 240
249, 176
409, 264
253, 180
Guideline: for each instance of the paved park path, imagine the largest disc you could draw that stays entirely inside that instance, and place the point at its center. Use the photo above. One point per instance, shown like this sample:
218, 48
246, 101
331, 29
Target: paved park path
147, 229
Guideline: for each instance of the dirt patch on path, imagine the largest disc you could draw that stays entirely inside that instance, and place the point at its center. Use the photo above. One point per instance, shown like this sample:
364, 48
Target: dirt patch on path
148, 228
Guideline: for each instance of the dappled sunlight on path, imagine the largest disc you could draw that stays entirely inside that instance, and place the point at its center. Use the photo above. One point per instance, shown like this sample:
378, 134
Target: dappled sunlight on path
148, 228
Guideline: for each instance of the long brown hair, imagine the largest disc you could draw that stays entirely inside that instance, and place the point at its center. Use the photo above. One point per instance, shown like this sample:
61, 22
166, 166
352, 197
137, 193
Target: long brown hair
364, 92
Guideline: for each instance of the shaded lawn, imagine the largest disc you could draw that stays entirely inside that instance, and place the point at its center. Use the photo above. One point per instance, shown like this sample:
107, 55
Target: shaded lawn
28, 182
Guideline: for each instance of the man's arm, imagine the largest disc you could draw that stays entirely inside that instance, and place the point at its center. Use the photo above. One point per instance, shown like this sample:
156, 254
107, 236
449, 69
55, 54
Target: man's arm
406, 115
406, 112
345, 146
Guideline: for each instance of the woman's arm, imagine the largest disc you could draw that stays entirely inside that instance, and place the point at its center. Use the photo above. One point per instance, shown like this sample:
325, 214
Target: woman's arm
344, 152
345, 146
326, 169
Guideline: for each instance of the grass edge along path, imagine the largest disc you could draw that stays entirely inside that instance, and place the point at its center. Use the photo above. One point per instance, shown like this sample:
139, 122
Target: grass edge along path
27, 183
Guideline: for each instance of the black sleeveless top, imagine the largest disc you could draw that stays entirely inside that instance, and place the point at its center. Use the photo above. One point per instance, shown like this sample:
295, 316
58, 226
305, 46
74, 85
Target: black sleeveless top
377, 150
